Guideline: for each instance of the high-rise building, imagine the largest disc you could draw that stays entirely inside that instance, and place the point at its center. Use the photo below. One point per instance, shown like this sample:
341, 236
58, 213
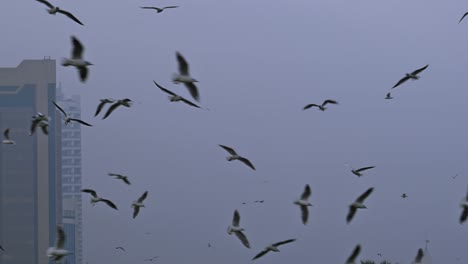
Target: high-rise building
71, 176
30, 196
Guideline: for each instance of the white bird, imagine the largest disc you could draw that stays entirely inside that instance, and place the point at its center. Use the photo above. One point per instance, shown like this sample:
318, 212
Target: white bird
273, 247
322, 106
68, 118
124, 178
77, 59
157, 8
55, 9
39, 120
419, 256
464, 205
352, 259
388, 96
58, 252
102, 103
175, 97
95, 198
6, 138
237, 230
185, 78
125, 102
359, 171
139, 203
412, 76
358, 204
235, 156
303, 203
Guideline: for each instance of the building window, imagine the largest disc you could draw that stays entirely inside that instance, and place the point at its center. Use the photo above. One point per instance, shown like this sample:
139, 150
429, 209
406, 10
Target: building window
77, 171
77, 152
76, 134
77, 162
67, 171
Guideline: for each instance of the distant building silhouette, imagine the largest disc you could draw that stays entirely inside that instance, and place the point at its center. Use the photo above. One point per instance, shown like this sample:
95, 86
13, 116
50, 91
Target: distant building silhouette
427, 259
30, 196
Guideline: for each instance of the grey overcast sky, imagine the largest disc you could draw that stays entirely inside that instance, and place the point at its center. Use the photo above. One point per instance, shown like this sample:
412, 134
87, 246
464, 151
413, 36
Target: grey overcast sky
259, 62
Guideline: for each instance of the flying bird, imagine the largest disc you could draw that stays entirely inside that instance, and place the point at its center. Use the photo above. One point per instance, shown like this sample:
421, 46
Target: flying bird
273, 247
139, 203
237, 230
388, 96
157, 8
175, 97
322, 106
359, 171
464, 15
464, 205
413, 76
102, 103
68, 118
404, 195
55, 9
2, 249
303, 203
419, 256
352, 259
39, 120
6, 138
77, 59
125, 102
184, 77
95, 198
121, 248
151, 259
259, 201
235, 156
358, 204
58, 252
120, 177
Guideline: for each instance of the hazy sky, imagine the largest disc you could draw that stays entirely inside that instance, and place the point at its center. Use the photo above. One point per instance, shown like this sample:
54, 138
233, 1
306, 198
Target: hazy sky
259, 62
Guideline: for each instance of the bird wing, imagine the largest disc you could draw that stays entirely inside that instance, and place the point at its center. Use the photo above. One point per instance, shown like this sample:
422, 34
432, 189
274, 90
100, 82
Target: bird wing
466, 198
113, 174
109, 203
284, 242
126, 181
164, 89
193, 91
236, 218
59, 108
464, 15
247, 162
416, 72
49, 5
136, 210
261, 254
152, 7
6, 133
100, 106
304, 214
419, 256
354, 255
143, 197
77, 51
2, 249
60, 243
83, 71
120, 248
166, 7
70, 15
228, 149
363, 196
92, 192
305, 195
402, 80
80, 121
243, 238
44, 129
365, 168
351, 213
329, 101
464, 215
309, 106
189, 103
111, 109
183, 65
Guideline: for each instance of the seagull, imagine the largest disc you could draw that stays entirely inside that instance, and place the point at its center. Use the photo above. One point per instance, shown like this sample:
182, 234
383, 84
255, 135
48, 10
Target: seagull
40, 120
139, 203
237, 230
95, 198
184, 77
260, 201
68, 118
273, 247
58, 252
404, 195
125, 102
123, 249
2, 249
389, 96
354, 255
379, 254
77, 59
55, 9
151, 259
322, 106
120, 177
157, 8
102, 103
419, 256
453, 177
359, 171
175, 97
6, 138
413, 76
234, 156
464, 205
303, 203
358, 204
464, 15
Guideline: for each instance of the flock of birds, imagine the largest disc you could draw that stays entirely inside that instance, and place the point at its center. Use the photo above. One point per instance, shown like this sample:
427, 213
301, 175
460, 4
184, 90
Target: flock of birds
76, 60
